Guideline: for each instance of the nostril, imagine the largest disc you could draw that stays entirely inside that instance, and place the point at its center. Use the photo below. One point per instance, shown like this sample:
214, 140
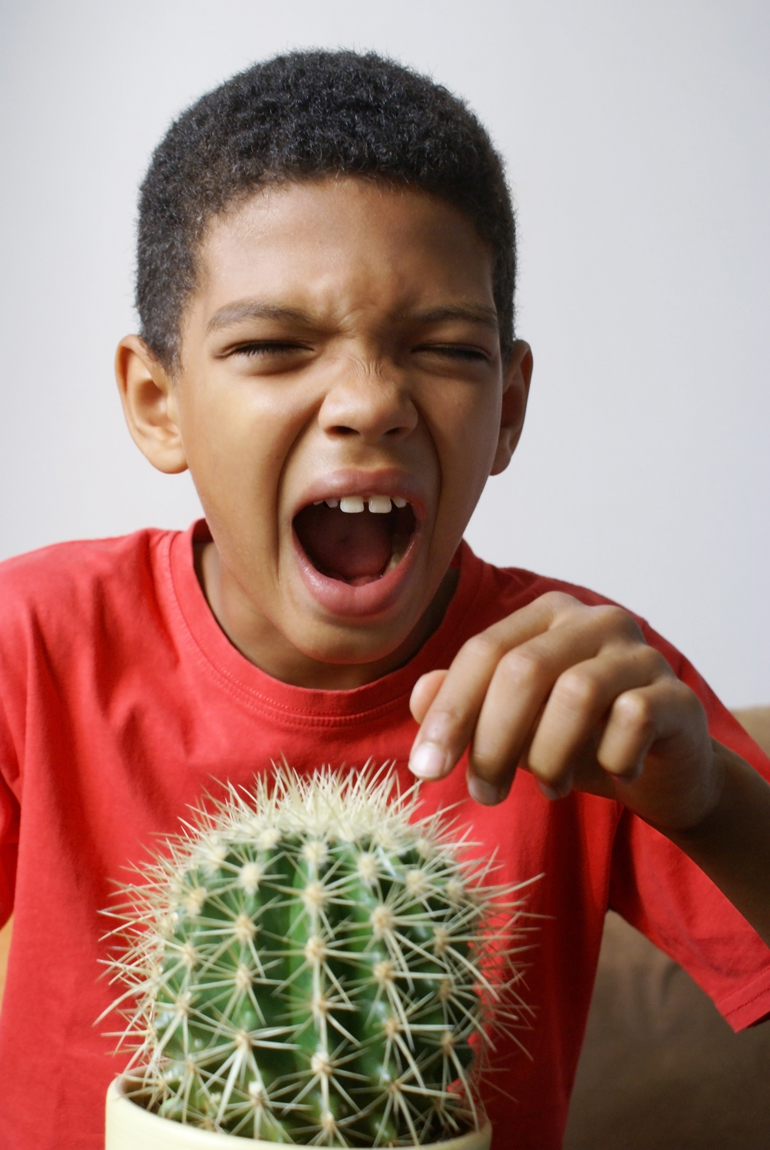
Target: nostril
373, 413
341, 430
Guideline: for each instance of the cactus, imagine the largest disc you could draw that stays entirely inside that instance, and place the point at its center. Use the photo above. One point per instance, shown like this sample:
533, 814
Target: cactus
305, 965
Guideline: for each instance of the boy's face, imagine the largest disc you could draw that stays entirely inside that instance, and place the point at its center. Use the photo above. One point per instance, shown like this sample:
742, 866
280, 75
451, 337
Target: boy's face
341, 352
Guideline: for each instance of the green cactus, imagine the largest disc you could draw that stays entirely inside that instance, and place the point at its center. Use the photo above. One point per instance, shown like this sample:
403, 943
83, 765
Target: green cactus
308, 966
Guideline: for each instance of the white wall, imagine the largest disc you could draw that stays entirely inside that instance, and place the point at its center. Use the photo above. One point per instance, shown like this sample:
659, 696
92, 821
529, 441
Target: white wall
637, 139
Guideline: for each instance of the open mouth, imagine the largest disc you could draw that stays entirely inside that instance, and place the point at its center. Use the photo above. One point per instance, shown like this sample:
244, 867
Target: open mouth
356, 539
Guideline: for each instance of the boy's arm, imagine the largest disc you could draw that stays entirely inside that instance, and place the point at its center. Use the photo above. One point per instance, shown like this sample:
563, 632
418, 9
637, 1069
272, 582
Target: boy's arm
575, 695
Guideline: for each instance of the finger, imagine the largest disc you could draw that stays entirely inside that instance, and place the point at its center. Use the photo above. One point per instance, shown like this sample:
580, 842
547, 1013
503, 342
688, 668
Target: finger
424, 692
519, 692
580, 703
640, 718
448, 725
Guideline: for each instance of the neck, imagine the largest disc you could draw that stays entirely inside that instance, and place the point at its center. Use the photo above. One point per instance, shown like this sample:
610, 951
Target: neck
264, 645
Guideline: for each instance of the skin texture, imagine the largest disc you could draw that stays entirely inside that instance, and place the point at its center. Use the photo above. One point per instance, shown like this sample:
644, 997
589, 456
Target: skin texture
355, 386
342, 339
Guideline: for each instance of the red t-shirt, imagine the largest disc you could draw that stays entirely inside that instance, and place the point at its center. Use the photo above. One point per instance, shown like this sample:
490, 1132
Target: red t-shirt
121, 702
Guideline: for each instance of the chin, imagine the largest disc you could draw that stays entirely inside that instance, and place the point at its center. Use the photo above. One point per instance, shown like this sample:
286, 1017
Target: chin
367, 646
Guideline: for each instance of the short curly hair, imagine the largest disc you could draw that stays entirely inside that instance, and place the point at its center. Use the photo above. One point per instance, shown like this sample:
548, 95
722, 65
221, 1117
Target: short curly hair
304, 116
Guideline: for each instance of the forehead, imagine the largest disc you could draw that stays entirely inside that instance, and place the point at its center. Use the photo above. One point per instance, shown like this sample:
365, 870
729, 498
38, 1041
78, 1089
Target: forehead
343, 243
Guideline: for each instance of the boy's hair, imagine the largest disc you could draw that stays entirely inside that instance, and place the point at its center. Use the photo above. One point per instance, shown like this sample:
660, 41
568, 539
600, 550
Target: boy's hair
303, 116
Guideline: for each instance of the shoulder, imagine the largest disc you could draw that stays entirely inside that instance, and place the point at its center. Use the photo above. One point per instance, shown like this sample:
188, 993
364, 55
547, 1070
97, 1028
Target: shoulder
78, 563
56, 587
499, 591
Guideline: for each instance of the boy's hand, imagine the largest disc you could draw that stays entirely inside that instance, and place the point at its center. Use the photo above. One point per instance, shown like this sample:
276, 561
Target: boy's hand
575, 695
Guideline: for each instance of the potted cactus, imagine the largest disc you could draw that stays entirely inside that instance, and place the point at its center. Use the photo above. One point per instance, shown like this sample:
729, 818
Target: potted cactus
308, 965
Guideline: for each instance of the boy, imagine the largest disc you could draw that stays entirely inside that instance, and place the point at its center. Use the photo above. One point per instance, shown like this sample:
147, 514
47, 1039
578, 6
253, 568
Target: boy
325, 286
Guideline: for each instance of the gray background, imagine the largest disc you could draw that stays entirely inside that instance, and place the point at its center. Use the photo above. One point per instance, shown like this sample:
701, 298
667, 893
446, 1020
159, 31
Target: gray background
637, 141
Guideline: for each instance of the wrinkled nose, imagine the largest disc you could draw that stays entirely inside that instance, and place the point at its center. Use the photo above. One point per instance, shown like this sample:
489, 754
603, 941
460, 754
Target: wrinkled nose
369, 401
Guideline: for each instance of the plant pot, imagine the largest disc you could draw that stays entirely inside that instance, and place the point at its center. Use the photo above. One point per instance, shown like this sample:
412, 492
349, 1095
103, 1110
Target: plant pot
129, 1127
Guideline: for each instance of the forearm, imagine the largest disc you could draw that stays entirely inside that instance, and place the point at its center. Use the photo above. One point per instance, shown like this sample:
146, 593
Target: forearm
732, 844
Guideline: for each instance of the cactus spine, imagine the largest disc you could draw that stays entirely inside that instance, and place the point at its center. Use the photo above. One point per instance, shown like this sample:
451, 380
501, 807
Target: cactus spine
308, 966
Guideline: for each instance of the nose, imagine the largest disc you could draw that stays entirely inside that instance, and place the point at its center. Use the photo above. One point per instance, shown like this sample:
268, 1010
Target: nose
368, 400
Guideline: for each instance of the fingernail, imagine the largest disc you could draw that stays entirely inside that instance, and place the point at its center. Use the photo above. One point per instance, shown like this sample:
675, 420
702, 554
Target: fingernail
427, 761
553, 793
483, 792
631, 775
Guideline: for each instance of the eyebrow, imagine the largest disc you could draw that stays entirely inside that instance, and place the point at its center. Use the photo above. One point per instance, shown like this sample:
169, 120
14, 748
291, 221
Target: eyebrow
234, 313
470, 312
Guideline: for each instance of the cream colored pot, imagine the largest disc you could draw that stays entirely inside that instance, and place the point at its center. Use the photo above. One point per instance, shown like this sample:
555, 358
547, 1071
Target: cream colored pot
129, 1127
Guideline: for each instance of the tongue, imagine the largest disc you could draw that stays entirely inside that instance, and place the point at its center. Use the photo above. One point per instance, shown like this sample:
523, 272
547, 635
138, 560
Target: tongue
355, 548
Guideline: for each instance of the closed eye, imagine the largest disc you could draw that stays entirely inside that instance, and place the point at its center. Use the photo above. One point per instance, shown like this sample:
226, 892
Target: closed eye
454, 351
257, 348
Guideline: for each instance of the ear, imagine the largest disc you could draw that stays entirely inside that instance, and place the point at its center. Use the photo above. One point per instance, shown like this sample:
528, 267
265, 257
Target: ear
148, 395
516, 380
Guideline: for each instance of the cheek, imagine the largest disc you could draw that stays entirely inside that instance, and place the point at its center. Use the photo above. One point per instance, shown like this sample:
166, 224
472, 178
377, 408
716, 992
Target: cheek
467, 439
233, 444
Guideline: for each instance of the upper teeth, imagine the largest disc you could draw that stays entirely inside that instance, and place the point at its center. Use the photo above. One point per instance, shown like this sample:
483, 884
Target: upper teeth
379, 505
353, 504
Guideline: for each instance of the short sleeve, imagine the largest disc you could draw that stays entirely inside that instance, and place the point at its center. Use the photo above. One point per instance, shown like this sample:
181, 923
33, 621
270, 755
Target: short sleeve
659, 890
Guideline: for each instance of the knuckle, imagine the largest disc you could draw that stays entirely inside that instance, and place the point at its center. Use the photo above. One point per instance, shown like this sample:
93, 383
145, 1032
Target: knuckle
681, 692
483, 647
447, 723
615, 620
522, 667
578, 690
559, 602
654, 662
447, 715
635, 711
687, 700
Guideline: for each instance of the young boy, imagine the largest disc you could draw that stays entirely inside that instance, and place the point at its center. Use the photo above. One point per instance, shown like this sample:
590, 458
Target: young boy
325, 286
